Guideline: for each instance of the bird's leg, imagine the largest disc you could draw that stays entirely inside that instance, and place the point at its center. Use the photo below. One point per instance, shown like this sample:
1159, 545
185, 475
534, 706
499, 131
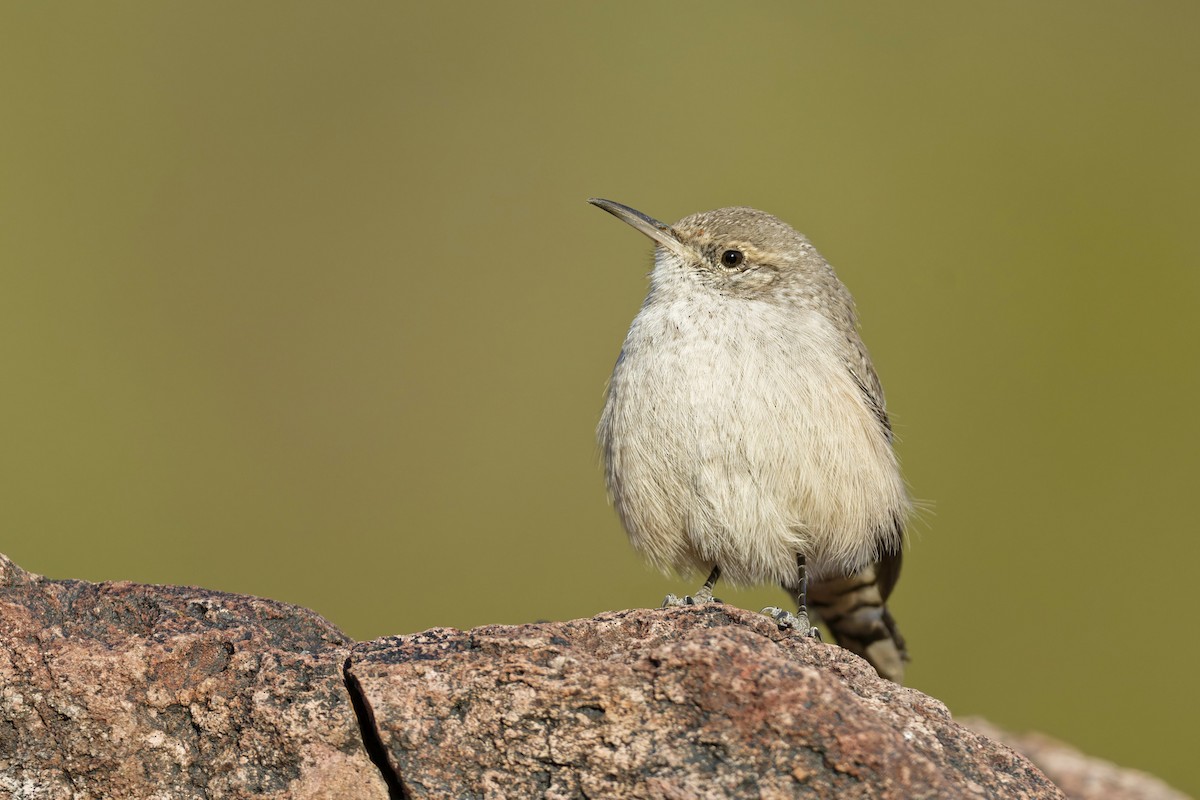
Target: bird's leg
704, 595
799, 621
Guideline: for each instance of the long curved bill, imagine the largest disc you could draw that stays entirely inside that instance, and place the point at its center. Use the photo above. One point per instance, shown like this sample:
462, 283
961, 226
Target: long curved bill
664, 234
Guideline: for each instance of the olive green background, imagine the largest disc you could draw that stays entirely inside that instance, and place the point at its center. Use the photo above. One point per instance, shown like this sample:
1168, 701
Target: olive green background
305, 301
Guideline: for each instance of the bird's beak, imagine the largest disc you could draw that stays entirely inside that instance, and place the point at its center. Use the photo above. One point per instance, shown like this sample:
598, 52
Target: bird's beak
665, 235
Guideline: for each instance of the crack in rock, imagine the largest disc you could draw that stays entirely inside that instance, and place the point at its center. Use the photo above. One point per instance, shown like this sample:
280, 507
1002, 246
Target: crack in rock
372, 742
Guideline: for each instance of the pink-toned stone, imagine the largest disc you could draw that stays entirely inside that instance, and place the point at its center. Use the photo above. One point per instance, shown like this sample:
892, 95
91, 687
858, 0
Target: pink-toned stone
123, 690
707, 702
130, 691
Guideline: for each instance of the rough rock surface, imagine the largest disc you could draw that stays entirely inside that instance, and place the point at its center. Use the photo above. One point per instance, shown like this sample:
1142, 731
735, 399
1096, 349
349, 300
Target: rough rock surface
125, 690
120, 690
1081, 777
706, 702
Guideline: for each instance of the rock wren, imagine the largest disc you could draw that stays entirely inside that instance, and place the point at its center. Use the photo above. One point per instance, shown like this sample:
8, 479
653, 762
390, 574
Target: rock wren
744, 431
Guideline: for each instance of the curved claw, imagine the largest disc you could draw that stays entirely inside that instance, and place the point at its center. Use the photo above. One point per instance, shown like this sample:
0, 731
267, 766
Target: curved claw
797, 622
701, 597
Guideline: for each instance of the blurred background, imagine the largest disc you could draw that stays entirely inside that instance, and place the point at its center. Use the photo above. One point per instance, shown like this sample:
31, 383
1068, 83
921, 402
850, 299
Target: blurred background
305, 301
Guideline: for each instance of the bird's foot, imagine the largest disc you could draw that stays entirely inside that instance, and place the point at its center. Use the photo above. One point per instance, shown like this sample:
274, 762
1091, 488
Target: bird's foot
704, 595
797, 622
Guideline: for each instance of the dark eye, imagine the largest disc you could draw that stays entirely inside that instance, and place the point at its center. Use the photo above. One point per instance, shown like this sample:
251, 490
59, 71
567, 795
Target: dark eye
732, 258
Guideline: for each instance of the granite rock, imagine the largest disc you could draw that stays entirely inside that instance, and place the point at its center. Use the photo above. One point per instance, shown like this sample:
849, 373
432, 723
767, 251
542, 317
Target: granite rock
702, 702
127, 690
121, 690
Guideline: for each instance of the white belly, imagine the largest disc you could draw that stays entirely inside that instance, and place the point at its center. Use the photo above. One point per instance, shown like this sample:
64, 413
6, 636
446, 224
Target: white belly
741, 439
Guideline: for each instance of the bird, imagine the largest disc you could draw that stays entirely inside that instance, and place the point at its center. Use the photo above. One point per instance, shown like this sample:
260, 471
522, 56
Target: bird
744, 432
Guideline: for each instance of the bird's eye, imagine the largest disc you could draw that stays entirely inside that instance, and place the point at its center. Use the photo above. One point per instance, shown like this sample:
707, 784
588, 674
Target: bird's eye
732, 258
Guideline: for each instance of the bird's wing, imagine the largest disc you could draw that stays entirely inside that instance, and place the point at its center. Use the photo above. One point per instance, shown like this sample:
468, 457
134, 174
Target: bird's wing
861, 369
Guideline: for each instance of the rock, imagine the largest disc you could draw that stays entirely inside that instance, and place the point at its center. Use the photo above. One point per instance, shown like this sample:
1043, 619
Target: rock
120, 690
704, 702
1081, 777
124, 690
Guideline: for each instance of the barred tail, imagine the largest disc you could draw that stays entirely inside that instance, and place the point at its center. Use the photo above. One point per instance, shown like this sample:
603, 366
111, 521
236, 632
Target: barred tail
855, 611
